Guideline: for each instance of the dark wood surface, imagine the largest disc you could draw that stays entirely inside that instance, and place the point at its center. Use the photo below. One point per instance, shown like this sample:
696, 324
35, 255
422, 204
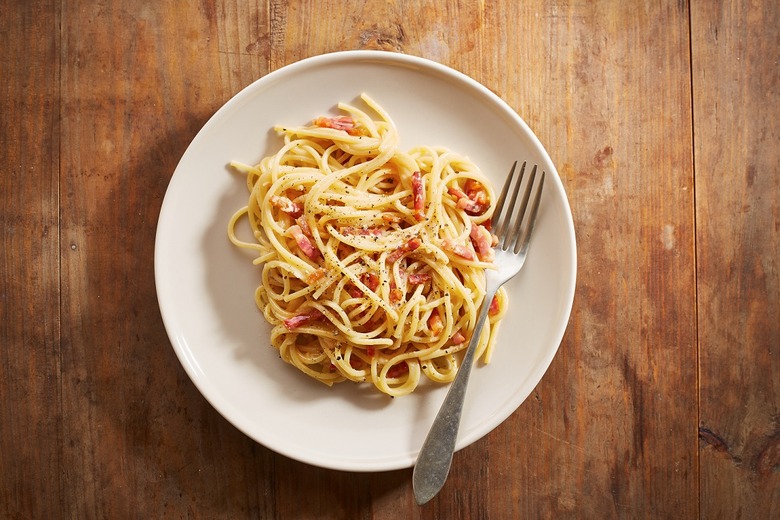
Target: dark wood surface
663, 119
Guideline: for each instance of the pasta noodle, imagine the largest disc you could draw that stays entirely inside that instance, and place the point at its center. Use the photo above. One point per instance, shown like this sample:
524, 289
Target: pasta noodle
372, 258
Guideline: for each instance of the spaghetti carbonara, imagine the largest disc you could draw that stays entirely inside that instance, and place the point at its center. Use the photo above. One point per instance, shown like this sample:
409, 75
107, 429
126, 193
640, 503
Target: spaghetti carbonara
372, 258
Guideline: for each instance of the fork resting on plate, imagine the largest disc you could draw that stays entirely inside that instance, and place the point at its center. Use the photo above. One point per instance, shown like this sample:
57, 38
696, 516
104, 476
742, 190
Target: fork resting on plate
513, 229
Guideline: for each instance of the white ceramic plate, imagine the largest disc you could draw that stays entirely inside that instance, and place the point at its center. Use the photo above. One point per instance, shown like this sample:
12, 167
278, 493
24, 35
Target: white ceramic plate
205, 285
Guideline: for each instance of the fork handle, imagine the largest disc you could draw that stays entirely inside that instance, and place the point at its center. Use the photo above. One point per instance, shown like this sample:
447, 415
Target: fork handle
435, 458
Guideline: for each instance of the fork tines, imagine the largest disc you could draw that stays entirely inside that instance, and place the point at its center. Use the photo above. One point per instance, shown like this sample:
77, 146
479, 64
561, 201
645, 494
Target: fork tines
508, 225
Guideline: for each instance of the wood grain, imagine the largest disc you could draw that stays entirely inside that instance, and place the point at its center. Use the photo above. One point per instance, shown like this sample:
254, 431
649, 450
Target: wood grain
737, 133
139, 441
662, 119
30, 418
620, 135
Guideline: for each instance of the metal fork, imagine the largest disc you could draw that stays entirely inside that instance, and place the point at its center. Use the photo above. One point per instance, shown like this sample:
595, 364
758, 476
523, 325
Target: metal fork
513, 230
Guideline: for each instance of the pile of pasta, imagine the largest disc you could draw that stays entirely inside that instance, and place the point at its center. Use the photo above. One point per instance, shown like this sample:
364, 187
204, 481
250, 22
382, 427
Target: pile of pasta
373, 259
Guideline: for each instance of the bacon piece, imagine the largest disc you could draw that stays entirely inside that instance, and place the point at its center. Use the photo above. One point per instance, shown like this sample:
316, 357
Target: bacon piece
398, 370
304, 225
293, 209
482, 241
476, 191
316, 276
418, 278
494, 308
456, 193
353, 291
435, 323
408, 247
345, 123
419, 198
476, 206
371, 280
391, 218
302, 319
471, 207
304, 243
458, 249
344, 250
457, 338
396, 295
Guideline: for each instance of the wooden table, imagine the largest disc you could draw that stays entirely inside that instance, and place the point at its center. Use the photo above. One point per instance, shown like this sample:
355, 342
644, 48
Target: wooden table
663, 119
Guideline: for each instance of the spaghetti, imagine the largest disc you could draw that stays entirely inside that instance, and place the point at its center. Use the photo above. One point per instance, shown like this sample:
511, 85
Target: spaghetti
372, 258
